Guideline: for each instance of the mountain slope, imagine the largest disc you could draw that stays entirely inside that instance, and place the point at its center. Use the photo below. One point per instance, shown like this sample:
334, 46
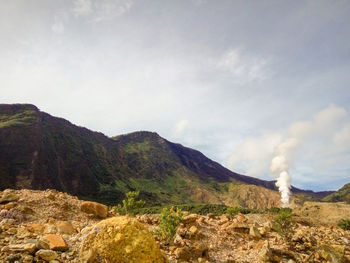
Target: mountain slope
39, 151
342, 195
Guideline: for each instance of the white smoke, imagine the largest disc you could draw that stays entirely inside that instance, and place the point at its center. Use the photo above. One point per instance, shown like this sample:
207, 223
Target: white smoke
298, 132
323, 142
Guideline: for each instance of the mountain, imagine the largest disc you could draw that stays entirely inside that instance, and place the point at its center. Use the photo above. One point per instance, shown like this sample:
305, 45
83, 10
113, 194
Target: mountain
342, 195
39, 151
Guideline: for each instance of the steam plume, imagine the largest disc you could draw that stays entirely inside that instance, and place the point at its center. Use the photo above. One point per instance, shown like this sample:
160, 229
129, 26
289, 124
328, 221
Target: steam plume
298, 132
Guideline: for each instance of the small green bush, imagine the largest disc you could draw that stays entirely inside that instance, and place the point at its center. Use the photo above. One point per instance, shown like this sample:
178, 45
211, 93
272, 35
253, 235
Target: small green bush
200, 209
273, 209
130, 205
344, 224
232, 211
284, 222
169, 220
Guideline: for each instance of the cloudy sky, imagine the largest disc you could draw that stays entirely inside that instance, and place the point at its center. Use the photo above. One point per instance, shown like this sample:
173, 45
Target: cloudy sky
233, 79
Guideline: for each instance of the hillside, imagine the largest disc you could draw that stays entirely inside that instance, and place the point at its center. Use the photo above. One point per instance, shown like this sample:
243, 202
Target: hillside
342, 195
39, 151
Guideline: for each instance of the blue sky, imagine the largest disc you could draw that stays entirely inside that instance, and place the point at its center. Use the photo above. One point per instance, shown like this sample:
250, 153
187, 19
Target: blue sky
229, 78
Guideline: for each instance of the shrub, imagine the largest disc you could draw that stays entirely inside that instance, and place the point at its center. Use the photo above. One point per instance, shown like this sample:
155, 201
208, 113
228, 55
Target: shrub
232, 211
168, 222
284, 222
344, 224
200, 209
273, 209
130, 204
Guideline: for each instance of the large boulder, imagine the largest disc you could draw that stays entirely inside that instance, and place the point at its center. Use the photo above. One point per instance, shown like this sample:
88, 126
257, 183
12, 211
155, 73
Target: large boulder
120, 239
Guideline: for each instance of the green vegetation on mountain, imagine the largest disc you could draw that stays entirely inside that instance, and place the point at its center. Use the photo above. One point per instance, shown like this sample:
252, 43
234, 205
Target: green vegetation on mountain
24, 116
342, 195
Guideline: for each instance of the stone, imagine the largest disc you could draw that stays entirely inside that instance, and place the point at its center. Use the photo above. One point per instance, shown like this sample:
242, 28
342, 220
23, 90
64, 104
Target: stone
264, 230
265, 252
199, 250
241, 218
145, 219
120, 239
50, 229
27, 259
183, 253
193, 231
46, 254
240, 228
6, 223
177, 239
30, 248
5, 249
8, 196
96, 209
333, 253
346, 241
38, 243
254, 232
223, 219
23, 232
64, 227
9, 206
13, 258
55, 242
36, 228
12, 231
191, 218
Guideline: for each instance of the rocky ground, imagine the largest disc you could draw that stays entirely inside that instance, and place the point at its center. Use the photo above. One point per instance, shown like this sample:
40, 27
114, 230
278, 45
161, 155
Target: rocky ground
49, 226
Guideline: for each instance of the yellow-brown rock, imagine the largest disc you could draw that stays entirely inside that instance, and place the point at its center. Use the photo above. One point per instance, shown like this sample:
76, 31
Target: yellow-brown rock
64, 227
36, 228
96, 209
55, 242
241, 218
120, 239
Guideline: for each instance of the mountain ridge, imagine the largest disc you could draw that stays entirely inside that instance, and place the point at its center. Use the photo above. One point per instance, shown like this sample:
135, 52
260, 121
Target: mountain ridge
39, 151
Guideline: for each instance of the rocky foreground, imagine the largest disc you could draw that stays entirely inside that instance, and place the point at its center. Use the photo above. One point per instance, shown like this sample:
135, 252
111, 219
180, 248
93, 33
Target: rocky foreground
49, 226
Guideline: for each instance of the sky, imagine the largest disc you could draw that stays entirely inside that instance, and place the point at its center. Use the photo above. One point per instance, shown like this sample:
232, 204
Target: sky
233, 79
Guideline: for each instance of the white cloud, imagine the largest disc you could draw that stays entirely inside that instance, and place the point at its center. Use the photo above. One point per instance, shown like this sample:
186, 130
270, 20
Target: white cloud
243, 67
180, 127
342, 138
318, 142
253, 155
82, 7
58, 26
98, 10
